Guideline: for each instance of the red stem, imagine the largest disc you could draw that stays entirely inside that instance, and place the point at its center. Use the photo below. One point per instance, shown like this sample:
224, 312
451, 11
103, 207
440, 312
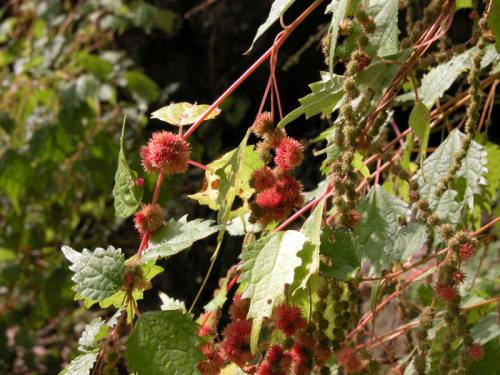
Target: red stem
157, 189
195, 163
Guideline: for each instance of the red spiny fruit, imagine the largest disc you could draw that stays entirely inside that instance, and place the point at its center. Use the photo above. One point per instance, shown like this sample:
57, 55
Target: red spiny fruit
363, 61
302, 359
277, 362
440, 286
166, 153
278, 213
263, 179
269, 199
466, 251
449, 293
263, 125
239, 308
148, 219
129, 278
349, 359
458, 276
354, 218
276, 137
289, 154
236, 345
139, 181
290, 189
214, 362
476, 351
289, 319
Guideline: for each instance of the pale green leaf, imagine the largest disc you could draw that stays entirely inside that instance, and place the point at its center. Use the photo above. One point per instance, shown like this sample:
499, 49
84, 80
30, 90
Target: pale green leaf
268, 264
127, 193
373, 75
436, 167
439, 79
325, 95
180, 114
240, 225
98, 274
406, 243
344, 252
169, 303
494, 22
420, 122
95, 65
338, 10
302, 297
332, 150
460, 4
91, 331
277, 10
177, 236
380, 213
81, 365
310, 252
486, 329
357, 162
164, 343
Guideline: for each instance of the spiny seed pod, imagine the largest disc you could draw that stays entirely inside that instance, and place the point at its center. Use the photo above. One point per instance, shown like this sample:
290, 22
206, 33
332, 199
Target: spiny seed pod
434, 220
374, 367
447, 231
363, 40
365, 353
321, 306
109, 370
262, 179
165, 153
420, 363
370, 27
112, 357
311, 327
361, 15
263, 124
148, 219
346, 27
323, 324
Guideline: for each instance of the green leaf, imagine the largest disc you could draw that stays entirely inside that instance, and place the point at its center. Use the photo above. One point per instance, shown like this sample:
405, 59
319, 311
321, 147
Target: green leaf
344, 252
268, 264
310, 252
164, 343
127, 193
218, 301
325, 96
98, 274
95, 65
144, 14
436, 167
142, 87
385, 39
338, 10
420, 122
494, 22
183, 113
439, 79
302, 297
87, 86
91, 331
406, 242
277, 10
15, 173
374, 75
357, 162
168, 303
486, 329
332, 150
165, 20
177, 236
380, 213
81, 365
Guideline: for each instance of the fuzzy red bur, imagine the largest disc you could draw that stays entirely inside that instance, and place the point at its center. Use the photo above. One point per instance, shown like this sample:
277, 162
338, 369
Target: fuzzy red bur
277, 362
214, 362
448, 293
263, 125
289, 154
239, 308
289, 319
466, 251
476, 351
349, 359
165, 153
302, 359
458, 277
354, 218
236, 344
263, 179
148, 219
139, 181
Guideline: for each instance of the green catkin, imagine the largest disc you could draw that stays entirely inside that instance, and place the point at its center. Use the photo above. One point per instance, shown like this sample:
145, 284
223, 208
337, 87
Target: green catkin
432, 11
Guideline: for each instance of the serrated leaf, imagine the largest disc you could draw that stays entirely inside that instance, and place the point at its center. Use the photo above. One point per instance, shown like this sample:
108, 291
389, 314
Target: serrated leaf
81, 365
277, 10
338, 10
380, 213
168, 303
494, 22
177, 236
98, 274
486, 329
218, 301
325, 96
240, 225
268, 264
357, 162
406, 242
436, 167
385, 39
344, 252
127, 193
91, 331
310, 252
164, 343
439, 79
180, 114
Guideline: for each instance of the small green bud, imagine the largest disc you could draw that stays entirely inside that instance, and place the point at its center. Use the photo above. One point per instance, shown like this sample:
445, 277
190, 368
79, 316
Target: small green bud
112, 357
361, 15
434, 220
447, 231
109, 370
363, 40
370, 27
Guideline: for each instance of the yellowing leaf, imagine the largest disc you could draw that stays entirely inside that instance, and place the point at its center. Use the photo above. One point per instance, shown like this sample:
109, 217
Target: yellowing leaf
358, 163
183, 113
